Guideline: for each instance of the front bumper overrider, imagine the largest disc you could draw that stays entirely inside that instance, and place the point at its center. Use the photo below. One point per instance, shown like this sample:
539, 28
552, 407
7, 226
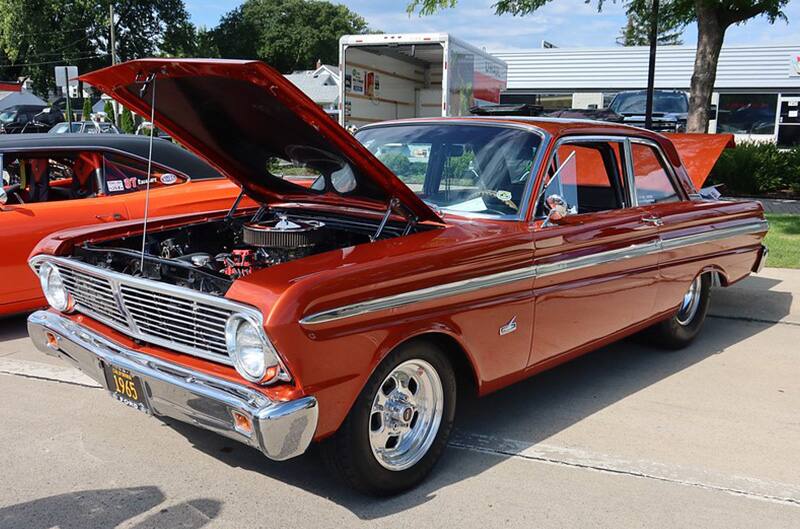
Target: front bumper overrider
281, 430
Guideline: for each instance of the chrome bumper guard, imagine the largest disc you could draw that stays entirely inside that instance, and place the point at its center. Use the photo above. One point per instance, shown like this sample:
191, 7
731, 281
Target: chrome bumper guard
281, 430
761, 260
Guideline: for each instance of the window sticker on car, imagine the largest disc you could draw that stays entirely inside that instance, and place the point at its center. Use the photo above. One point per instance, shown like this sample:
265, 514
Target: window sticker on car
115, 186
168, 179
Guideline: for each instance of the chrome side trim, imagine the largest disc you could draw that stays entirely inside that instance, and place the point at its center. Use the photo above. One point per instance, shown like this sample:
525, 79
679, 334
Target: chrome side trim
714, 235
541, 270
417, 296
610, 256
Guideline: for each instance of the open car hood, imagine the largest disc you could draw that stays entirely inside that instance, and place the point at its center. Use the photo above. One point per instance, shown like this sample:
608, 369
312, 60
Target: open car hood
243, 116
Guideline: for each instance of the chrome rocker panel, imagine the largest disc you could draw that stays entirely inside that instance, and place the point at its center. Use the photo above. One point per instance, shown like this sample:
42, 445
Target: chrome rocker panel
281, 430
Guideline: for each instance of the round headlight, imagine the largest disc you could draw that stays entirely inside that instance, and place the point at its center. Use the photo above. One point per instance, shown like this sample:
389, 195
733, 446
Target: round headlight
252, 353
54, 290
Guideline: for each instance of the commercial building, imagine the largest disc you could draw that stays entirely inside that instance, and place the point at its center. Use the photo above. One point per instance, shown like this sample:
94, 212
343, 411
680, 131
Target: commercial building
756, 94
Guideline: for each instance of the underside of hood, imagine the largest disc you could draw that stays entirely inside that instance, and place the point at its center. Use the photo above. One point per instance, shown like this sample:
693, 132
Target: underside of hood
243, 117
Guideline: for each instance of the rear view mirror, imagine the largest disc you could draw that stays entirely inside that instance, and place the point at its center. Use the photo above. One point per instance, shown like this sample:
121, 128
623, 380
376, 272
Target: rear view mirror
456, 151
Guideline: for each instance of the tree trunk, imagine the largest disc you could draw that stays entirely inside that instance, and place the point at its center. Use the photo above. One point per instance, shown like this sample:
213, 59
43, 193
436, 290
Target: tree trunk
710, 33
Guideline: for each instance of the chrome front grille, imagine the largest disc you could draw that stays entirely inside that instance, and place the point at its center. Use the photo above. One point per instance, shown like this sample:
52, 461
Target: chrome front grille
185, 322
94, 296
165, 315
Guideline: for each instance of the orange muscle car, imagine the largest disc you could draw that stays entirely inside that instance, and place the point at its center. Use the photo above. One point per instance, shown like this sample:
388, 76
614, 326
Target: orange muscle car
352, 311
52, 182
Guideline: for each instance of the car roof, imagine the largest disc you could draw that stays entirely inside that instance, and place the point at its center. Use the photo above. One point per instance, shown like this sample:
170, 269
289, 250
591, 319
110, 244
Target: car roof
553, 126
165, 152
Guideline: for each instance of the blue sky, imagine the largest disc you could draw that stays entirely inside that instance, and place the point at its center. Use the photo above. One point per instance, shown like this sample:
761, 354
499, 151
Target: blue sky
566, 23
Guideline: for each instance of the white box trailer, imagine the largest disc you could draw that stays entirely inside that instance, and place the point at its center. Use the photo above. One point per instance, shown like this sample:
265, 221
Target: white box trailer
414, 75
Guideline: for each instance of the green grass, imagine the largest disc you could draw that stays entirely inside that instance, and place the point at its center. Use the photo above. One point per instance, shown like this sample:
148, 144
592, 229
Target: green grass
783, 241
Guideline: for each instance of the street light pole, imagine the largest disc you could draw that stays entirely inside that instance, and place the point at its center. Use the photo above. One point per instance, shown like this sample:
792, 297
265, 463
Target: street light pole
69, 104
651, 72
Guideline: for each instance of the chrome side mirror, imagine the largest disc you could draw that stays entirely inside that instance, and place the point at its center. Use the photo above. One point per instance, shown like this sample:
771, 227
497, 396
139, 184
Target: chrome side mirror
3, 196
558, 209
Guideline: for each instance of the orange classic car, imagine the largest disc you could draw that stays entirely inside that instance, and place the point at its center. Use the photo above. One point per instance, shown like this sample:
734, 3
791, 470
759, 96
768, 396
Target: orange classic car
427, 258
56, 181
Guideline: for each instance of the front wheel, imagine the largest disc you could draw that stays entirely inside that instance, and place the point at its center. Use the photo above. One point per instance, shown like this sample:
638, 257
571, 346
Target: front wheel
685, 324
400, 423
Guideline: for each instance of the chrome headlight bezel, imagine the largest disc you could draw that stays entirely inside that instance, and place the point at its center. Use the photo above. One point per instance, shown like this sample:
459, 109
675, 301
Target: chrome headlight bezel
272, 368
55, 292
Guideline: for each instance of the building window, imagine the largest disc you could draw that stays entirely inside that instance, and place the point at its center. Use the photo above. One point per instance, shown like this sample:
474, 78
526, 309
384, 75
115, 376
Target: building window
747, 113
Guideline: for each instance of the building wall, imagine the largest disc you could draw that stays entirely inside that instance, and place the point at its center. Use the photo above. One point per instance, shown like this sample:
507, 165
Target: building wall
754, 83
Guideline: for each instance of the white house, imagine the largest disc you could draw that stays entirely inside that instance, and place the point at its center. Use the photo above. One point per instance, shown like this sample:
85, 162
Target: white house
321, 85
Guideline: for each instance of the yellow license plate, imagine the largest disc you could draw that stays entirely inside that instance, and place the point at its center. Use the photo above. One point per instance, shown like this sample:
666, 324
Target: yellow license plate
126, 387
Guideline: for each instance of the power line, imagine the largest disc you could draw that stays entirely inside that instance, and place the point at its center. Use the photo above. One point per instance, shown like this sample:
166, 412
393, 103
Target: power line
60, 61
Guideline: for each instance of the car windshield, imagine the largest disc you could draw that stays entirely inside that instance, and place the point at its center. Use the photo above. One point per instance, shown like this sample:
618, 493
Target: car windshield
635, 103
462, 168
8, 116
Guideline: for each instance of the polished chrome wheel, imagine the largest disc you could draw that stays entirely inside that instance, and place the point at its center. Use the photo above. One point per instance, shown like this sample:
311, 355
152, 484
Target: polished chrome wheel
406, 414
691, 302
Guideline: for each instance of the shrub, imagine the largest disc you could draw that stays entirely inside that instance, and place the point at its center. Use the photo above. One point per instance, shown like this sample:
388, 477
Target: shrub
126, 122
108, 108
87, 109
757, 169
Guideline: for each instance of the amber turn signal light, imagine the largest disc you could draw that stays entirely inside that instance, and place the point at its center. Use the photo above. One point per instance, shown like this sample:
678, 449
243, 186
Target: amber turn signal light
242, 423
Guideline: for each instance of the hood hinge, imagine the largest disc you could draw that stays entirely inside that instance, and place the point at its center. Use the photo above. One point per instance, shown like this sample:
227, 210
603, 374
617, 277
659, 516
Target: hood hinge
394, 206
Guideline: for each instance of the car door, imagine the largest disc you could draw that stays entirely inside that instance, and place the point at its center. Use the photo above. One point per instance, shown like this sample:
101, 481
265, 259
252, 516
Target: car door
22, 225
171, 193
681, 220
597, 266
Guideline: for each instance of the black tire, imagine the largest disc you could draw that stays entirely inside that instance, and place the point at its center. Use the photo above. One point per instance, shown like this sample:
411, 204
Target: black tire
348, 453
676, 333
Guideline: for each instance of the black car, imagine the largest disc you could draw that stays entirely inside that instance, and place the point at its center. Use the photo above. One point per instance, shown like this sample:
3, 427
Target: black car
670, 109
22, 118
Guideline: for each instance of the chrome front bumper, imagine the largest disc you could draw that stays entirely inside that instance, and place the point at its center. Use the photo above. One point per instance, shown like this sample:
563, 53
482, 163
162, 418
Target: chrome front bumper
281, 430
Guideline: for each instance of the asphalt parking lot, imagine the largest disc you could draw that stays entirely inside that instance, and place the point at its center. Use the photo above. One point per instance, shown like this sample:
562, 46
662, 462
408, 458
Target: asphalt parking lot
628, 436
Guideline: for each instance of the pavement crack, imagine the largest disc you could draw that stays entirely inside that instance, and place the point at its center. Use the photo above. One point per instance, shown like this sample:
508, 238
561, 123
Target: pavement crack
628, 472
48, 379
754, 320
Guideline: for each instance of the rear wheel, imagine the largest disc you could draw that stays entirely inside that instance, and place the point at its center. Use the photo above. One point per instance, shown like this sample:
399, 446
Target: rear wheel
685, 324
399, 425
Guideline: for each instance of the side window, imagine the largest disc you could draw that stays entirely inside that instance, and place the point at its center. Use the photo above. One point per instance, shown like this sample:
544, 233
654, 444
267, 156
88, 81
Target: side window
589, 178
651, 179
124, 175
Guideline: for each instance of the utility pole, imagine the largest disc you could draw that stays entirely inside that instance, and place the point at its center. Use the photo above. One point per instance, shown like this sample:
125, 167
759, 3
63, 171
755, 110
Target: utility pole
651, 72
113, 42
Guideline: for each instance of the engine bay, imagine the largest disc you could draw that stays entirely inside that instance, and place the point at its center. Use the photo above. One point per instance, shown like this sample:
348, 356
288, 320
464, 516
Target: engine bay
209, 256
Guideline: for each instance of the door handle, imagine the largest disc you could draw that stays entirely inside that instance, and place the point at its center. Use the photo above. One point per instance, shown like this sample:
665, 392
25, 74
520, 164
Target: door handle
655, 221
110, 217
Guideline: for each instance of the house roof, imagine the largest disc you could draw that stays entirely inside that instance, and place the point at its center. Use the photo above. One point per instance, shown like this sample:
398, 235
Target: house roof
321, 85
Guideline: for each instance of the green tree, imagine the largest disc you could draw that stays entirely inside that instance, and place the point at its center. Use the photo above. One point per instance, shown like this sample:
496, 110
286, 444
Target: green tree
126, 123
108, 108
637, 31
36, 35
287, 34
713, 18
87, 108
